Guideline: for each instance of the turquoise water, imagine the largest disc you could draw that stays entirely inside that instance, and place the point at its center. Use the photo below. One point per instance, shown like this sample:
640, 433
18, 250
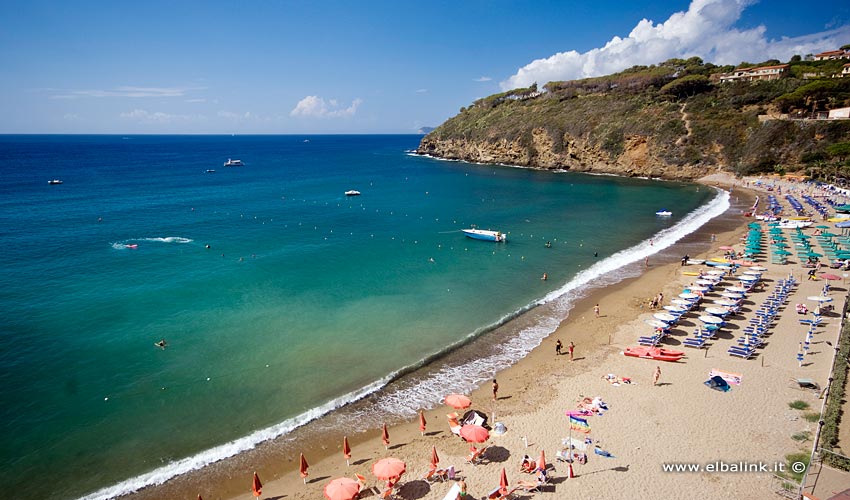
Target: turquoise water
299, 284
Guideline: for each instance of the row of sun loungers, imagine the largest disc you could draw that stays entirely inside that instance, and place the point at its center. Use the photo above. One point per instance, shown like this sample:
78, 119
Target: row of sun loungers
759, 326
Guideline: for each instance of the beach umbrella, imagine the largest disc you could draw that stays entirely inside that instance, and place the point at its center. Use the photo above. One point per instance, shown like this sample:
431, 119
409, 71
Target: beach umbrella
257, 486
688, 296
666, 317
385, 436
698, 288
725, 302
757, 268
541, 462
712, 320
458, 401
474, 433
736, 289
716, 311
422, 422
675, 309
388, 468
503, 482
820, 298
346, 450
435, 459
302, 468
657, 324
830, 277
342, 488
199, 497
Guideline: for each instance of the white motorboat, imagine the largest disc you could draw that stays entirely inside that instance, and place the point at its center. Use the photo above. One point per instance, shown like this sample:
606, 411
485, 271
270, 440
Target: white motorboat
233, 163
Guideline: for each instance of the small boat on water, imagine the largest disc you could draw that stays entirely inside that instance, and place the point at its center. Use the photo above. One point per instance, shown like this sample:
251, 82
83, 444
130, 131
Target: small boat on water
664, 213
210, 171
233, 163
352, 192
483, 234
656, 353
54, 181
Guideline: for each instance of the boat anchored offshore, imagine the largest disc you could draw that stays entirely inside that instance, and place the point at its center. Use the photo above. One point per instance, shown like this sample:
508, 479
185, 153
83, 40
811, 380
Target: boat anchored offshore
483, 234
233, 163
664, 213
352, 192
54, 181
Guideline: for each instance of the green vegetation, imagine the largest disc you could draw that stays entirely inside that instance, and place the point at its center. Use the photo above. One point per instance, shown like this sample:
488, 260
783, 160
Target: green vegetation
799, 405
802, 436
832, 413
686, 116
793, 458
811, 417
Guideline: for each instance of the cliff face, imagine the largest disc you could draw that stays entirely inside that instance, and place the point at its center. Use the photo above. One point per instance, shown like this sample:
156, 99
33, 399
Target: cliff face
638, 158
633, 124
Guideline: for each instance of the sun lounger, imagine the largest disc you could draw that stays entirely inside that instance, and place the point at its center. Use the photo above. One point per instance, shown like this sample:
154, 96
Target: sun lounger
476, 455
453, 492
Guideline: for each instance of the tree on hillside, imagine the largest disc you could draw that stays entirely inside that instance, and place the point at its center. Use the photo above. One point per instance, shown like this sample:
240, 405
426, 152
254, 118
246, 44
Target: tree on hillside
687, 86
839, 150
845, 47
796, 58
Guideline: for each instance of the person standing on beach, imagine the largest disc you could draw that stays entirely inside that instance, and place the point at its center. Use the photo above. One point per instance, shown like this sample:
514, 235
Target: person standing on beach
558, 347
495, 389
656, 375
570, 349
596, 310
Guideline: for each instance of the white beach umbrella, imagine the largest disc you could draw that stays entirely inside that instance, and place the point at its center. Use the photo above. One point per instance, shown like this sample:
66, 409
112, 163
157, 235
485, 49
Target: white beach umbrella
711, 320
820, 298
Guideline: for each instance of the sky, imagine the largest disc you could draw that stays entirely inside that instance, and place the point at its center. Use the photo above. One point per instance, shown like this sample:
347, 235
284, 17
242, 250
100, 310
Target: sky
359, 67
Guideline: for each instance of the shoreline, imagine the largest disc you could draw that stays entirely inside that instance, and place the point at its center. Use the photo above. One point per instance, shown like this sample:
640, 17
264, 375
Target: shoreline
275, 465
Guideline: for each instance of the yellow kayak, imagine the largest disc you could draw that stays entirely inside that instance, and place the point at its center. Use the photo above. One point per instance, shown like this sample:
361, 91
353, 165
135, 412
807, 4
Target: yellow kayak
838, 219
690, 273
718, 259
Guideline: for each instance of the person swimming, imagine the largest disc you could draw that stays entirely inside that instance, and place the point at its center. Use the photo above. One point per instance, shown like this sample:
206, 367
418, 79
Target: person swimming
548, 244
161, 344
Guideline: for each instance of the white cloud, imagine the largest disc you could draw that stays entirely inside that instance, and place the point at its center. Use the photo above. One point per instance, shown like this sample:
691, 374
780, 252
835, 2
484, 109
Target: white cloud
705, 30
144, 116
482, 79
196, 100
421, 91
71, 116
235, 116
317, 107
127, 91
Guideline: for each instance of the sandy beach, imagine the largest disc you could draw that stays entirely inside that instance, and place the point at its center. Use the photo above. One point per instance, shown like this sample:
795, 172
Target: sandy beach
679, 421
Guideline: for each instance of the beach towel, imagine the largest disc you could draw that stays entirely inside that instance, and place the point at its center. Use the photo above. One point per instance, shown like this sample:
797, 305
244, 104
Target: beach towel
579, 413
579, 424
718, 384
732, 378
601, 452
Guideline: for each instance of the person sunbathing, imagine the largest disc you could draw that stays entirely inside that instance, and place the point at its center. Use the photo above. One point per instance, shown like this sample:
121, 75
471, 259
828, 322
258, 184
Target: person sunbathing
528, 465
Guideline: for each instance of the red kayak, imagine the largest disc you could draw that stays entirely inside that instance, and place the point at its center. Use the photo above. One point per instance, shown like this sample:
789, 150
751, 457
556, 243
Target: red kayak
656, 353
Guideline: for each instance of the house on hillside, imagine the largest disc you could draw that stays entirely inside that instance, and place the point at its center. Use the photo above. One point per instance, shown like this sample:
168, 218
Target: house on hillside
755, 74
839, 114
832, 55
845, 71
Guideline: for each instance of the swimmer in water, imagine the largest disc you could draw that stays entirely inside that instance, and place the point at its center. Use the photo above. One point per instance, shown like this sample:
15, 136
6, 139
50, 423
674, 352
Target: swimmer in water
545, 277
161, 344
548, 244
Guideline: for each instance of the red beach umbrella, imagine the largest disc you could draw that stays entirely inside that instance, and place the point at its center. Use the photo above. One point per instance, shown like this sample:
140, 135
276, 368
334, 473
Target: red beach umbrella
541, 462
388, 468
342, 488
474, 433
458, 401
346, 450
302, 468
434, 458
830, 277
422, 422
199, 497
503, 482
257, 486
385, 436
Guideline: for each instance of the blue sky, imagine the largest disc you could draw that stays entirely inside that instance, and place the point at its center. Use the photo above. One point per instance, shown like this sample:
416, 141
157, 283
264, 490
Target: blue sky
285, 67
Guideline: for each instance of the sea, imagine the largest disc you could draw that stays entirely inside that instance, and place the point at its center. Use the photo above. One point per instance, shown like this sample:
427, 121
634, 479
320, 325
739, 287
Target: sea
279, 298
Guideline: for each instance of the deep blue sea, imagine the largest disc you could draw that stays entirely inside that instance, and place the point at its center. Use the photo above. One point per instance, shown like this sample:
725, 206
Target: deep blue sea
267, 284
